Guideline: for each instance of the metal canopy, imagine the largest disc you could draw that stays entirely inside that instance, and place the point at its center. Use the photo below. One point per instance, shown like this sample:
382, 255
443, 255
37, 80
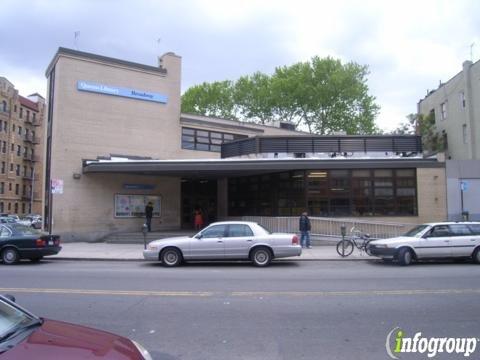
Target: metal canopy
242, 167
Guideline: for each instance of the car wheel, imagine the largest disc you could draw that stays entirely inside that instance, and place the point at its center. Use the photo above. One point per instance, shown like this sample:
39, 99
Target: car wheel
367, 248
36, 259
261, 257
10, 256
476, 256
405, 257
171, 257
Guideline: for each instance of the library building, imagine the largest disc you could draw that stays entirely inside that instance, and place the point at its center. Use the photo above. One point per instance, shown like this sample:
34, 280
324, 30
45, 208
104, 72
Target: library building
116, 139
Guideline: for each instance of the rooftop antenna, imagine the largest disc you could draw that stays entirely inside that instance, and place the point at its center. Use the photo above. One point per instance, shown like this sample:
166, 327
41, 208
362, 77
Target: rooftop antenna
75, 40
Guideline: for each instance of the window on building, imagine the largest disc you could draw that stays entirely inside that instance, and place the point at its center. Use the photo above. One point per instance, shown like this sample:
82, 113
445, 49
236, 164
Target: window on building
24, 190
19, 150
5, 126
23, 208
27, 132
362, 192
443, 110
464, 133
28, 115
3, 167
11, 166
13, 128
15, 108
462, 99
9, 186
25, 151
25, 171
9, 207
1, 125
4, 106
4, 147
2, 187
16, 208
21, 113
17, 170
17, 189
2, 207
19, 130
33, 116
195, 139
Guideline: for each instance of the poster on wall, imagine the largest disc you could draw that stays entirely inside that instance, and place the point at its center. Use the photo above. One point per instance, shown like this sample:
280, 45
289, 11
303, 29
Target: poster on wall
57, 186
128, 206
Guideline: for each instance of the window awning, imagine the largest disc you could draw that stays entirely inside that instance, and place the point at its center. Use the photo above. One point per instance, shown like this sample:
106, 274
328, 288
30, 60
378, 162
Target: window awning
216, 168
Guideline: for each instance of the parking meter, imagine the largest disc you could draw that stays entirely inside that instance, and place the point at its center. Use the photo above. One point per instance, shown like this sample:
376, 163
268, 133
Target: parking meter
144, 231
343, 230
465, 215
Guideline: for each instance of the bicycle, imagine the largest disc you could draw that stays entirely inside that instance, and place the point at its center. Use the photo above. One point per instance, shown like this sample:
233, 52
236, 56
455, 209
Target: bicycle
358, 239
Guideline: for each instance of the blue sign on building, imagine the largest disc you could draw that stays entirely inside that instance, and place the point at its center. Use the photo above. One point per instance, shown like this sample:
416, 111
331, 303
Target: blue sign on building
138, 186
119, 91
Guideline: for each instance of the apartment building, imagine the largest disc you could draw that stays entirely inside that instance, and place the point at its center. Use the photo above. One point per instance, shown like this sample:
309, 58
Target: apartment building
455, 108
21, 149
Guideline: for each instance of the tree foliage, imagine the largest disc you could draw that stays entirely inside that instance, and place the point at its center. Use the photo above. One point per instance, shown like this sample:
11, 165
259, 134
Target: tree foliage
321, 95
424, 125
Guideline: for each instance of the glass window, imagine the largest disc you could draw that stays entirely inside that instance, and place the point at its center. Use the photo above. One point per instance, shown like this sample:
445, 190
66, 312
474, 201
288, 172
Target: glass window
239, 230
204, 147
475, 228
214, 231
459, 230
202, 133
187, 131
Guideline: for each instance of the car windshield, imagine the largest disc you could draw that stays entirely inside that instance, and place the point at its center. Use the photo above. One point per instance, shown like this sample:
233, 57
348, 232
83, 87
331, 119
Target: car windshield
416, 231
12, 319
20, 229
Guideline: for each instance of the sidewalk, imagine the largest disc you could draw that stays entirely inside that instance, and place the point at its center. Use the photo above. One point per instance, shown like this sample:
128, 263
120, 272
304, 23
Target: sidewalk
133, 252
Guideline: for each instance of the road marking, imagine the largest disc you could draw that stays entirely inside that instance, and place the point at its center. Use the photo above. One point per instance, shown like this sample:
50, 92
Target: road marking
107, 292
243, 293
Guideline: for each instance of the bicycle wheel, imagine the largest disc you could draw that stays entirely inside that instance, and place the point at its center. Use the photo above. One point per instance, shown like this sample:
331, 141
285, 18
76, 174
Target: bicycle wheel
344, 248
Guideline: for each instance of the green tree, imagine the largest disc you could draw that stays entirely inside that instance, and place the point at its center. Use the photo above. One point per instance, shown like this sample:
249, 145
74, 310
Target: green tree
321, 95
210, 99
424, 125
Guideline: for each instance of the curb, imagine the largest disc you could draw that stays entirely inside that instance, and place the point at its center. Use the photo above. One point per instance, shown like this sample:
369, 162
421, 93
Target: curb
147, 261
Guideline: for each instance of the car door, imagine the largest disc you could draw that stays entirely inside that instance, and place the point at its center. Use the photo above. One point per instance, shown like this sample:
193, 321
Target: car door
209, 244
435, 243
463, 240
239, 239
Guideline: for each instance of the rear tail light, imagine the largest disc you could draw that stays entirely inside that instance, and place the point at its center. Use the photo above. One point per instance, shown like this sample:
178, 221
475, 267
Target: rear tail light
295, 240
39, 243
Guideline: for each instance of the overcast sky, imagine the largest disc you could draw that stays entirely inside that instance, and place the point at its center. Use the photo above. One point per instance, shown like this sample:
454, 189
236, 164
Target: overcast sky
409, 46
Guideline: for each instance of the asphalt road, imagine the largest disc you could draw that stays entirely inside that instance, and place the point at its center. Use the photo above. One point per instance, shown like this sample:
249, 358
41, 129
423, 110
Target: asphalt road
291, 310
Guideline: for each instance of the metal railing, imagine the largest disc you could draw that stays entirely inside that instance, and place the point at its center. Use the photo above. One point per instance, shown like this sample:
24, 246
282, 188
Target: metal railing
329, 227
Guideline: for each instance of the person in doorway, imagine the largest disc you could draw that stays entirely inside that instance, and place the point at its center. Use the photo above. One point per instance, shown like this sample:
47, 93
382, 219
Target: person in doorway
149, 215
198, 219
305, 227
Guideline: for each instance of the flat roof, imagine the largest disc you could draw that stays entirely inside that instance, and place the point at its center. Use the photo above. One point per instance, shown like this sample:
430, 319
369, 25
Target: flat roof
217, 168
106, 59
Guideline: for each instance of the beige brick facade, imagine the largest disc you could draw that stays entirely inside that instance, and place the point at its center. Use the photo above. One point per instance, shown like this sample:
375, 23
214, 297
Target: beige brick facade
88, 125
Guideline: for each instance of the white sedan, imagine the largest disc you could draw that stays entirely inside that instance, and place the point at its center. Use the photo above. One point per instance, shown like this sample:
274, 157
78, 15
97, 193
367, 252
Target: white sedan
229, 240
431, 241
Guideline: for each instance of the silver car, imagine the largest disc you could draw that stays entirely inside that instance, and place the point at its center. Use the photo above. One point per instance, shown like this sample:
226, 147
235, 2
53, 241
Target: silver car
229, 240
431, 241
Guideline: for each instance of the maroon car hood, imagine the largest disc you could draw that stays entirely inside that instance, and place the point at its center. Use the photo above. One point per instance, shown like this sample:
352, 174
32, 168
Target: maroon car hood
59, 340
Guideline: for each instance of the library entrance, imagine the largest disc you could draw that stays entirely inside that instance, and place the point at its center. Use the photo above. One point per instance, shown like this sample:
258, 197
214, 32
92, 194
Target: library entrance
198, 195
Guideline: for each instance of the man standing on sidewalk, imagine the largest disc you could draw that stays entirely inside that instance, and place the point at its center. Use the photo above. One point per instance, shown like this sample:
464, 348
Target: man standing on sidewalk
149, 215
305, 227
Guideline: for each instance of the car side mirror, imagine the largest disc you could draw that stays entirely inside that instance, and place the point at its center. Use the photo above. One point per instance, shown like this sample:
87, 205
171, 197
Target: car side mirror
10, 297
199, 236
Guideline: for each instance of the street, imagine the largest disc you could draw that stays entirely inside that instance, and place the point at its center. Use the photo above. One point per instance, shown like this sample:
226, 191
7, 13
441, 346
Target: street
290, 310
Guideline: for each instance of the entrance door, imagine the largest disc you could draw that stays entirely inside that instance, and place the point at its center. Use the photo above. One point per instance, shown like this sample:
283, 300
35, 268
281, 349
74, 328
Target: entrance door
198, 195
